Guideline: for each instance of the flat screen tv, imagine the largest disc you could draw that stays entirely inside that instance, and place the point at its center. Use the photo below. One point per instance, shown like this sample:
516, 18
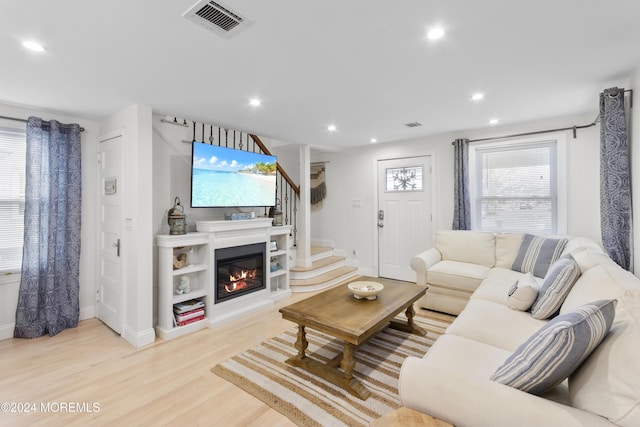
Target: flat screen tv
226, 177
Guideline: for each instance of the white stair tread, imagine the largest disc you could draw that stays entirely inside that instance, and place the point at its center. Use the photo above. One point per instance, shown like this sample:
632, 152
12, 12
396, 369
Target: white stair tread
322, 278
323, 262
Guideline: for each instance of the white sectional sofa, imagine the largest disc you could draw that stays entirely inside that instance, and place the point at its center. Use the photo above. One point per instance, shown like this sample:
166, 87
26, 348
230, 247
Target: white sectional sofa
472, 275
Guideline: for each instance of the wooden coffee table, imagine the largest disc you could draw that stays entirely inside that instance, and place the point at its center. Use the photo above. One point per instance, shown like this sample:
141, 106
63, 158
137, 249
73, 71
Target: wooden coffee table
337, 313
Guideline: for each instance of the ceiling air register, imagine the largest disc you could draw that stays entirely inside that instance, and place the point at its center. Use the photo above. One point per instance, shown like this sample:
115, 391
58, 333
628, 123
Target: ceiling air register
217, 18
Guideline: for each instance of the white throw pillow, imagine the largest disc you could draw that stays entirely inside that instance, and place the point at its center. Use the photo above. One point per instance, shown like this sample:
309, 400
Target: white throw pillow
523, 293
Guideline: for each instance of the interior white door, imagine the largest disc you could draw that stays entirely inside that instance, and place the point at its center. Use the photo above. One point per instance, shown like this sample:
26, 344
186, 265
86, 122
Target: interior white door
404, 214
110, 297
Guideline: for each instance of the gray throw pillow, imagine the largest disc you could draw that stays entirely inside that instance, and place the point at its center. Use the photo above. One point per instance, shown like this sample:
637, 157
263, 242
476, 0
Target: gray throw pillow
537, 253
556, 286
557, 349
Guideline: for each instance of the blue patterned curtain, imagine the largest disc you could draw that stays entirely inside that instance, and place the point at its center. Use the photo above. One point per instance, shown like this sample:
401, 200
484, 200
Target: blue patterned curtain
462, 200
48, 300
615, 181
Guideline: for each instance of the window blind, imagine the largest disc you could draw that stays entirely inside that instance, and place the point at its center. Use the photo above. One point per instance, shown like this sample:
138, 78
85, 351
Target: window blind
12, 184
516, 188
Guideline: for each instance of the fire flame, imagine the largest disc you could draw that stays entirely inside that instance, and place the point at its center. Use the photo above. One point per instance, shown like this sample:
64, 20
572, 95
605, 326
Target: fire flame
239, 281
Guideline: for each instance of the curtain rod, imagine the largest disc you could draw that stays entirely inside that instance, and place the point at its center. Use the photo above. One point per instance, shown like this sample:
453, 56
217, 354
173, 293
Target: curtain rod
25, 121
572, 128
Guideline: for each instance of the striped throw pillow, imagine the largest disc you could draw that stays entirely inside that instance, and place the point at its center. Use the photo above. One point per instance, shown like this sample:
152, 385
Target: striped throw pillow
537, 253
556, 286
557, 349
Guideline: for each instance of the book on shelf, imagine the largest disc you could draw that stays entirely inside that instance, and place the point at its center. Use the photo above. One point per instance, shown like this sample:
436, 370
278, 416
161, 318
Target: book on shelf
186, 322
189, 315
182, 313
190, 305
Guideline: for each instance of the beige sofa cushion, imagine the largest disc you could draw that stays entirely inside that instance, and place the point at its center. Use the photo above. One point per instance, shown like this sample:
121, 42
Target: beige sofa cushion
495, 324
457, 275
474, 247
589, 258
452, 383
604, 281
497, 284
608, 382
576, 244
507, 246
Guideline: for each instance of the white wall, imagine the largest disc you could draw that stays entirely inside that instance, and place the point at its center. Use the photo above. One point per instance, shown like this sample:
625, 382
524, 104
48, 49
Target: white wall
9, 285
138, 239
351, 175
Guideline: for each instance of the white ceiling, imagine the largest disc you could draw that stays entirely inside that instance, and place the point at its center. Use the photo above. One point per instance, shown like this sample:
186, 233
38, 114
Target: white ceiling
365, 66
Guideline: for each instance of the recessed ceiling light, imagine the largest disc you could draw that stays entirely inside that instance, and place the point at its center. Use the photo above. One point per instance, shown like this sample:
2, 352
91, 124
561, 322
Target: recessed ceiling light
493, 121
332, 128
373, 140
36, 47
435, 34
477, 96
255, 102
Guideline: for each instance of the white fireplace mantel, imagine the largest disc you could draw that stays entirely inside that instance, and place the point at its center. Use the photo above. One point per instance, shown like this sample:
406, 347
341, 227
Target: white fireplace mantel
233, 226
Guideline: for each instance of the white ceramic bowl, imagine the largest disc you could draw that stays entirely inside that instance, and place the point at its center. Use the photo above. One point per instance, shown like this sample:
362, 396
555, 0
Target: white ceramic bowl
364, 289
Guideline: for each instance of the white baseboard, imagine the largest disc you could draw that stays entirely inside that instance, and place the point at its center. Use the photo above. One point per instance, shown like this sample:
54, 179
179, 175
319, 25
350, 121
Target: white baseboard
340, 252
87, 312
323, 242
139, 339
6, 331
367, 272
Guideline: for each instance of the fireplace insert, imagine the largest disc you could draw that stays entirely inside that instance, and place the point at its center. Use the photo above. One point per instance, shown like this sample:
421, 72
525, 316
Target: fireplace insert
239, 271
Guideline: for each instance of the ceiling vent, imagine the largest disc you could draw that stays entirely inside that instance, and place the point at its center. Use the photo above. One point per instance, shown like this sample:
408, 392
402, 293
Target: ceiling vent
413, 124
217, 18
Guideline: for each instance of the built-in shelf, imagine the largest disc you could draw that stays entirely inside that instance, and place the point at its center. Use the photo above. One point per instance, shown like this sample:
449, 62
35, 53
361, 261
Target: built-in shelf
189, 296
196, 246
200, 248
190, 269
279, 279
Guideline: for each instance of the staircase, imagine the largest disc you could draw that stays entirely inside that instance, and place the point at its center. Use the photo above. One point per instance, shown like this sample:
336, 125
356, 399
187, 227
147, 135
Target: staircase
326, 270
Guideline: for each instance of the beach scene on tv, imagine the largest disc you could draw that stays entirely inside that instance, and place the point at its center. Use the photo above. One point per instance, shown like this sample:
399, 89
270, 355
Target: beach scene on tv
228, 177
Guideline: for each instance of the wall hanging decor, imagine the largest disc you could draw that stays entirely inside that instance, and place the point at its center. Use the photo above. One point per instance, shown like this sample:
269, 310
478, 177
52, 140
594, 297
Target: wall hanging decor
318, 184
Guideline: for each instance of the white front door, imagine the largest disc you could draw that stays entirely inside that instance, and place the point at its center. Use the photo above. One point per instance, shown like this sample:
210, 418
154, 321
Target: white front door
110, 302
404, 214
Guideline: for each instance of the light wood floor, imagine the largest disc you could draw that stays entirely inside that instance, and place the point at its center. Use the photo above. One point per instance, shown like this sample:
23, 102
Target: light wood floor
166, 383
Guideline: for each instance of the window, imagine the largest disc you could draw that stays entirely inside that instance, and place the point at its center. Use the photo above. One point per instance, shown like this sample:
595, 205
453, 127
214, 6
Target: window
12, 179
514, 187
404, 179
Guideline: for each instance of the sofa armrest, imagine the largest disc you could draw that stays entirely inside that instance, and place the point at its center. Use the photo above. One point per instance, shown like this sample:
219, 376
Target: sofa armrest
467, 400
424, 261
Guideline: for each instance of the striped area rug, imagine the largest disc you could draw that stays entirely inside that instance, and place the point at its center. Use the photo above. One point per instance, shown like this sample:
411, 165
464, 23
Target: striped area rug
311, 401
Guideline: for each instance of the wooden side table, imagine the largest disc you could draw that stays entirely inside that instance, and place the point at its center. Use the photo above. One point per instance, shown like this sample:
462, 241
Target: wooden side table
406, 417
